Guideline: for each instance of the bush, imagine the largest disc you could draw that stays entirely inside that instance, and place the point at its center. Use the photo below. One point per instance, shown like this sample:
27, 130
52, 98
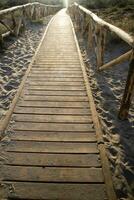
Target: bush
103, 3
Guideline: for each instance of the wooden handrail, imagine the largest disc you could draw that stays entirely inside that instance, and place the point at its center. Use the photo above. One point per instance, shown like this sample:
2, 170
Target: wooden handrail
31, 10
97, 31
15, 8
122, 34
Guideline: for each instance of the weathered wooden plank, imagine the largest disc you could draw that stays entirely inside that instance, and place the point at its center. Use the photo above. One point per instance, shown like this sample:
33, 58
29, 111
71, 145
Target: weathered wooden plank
52, 174
59, 61
52, 111
41, 104
52, 147
61, 83
54, 136
61, 71
56, 79
56, 98
63, 160
55, 93
57, 75
52, 126
45, 191
55, 68
57, 88
56, 60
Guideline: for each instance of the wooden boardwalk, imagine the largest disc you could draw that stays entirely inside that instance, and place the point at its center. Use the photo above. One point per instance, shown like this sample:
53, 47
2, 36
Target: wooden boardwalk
54, 148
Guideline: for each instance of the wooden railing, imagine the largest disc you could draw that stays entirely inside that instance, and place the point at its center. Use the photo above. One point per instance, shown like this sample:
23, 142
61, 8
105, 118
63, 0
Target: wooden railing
12, 19
98, 29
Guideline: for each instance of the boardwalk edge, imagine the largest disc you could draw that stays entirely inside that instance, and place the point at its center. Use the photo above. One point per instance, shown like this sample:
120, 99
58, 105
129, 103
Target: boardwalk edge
99, 133
5, 119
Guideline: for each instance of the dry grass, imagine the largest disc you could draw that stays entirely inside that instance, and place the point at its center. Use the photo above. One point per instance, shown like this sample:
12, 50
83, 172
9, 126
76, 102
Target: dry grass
120, 17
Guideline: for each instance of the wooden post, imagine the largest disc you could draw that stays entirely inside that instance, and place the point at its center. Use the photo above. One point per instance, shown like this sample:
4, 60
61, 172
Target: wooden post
90, 34
1, 40
84, 25
31, 11
95, 33
100, 43
18, 25
14, 22
129, 91
34, 13
24, 18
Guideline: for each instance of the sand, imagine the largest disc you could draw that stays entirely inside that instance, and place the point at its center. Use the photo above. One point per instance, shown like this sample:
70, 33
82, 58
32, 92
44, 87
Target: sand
14, 60
108, 87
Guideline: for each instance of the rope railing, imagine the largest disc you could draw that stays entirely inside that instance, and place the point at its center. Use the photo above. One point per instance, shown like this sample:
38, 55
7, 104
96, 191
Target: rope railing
97, 29
12, 19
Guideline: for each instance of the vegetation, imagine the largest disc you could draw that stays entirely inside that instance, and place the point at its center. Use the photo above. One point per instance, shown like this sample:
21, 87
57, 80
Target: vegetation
103, 3
9, 3
117, 12
48, 2
122, 17
110, 10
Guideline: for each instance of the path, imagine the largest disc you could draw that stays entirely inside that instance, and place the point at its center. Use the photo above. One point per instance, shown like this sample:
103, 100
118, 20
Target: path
52, 151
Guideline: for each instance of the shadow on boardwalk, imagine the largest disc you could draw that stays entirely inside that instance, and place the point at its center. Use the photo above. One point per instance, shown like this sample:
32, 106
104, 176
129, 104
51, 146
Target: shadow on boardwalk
108, 87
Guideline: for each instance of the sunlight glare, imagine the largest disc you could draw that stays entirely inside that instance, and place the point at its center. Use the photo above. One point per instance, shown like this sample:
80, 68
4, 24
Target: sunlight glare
66, 3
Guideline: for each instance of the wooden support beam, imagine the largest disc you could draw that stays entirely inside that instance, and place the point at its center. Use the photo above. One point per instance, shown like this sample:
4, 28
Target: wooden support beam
90, 34
116, 61
129, 91
1, 40
100, 47
7, 27
19, 24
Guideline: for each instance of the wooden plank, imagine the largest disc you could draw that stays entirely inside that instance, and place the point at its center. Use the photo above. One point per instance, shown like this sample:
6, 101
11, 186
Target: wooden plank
57, 75
45, 62
52, 118
52, 126
53, 56
60, 83
57, 60
56, 71
63, 160
56, 98
54, 136
57, 79
55, 68
65, 191
55, 93
57, 88
51, 147
41, 104
52, 174
52, 111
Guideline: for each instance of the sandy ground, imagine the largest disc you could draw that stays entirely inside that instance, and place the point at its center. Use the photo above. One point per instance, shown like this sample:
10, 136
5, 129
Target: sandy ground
108, 87
14, 60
